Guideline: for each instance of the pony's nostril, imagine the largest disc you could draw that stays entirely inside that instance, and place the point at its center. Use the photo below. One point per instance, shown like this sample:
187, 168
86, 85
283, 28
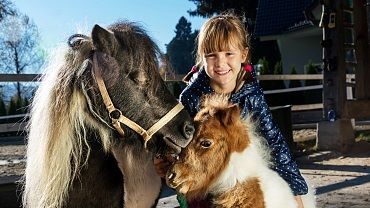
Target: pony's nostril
171, 176
188, 130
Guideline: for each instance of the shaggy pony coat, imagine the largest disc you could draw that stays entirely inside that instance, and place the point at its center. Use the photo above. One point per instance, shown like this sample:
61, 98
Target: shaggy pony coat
75, 158
229, 163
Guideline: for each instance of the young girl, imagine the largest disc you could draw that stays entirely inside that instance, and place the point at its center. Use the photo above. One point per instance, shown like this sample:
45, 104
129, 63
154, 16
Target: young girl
223, 67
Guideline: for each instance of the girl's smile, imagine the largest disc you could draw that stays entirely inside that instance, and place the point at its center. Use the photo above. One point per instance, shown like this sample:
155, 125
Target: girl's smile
222, 72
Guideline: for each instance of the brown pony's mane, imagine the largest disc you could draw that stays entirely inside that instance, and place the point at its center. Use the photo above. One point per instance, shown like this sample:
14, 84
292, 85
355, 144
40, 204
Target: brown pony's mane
211, 103
57, 142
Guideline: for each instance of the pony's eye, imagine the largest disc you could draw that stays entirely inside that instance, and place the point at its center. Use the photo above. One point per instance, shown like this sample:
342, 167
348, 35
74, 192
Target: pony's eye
205, 143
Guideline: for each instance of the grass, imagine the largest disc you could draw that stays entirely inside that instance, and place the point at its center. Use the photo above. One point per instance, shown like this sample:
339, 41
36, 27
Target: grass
362, 136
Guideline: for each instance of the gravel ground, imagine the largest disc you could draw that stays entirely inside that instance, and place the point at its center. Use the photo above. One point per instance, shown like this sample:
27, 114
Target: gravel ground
12, 160
341, 180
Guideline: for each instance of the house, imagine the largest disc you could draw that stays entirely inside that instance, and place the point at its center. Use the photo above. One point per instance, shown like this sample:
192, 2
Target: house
294, 25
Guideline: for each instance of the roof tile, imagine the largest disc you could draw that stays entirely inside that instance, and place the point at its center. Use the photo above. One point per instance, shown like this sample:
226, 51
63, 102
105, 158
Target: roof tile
279, 16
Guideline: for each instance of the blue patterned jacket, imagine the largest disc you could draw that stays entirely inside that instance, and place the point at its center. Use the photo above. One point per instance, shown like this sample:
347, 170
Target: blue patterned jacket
250, 99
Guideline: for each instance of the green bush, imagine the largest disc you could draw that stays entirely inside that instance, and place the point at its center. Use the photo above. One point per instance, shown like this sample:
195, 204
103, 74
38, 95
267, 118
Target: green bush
294, 83
278, 70
26, 103
265, 69
312, 96
2, 107
297, 97
15, 105
310, 68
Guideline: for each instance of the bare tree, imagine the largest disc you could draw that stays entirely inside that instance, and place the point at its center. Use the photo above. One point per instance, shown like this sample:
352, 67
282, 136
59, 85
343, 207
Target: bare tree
6, 8
19, 51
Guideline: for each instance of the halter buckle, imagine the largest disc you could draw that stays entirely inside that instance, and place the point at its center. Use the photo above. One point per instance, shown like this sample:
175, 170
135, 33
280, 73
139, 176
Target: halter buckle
115, 114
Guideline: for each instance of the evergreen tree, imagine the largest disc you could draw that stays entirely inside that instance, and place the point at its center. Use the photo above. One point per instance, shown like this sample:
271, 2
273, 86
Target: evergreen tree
297, 97
312, 96
25, 104
278, 70
180, 49
311, 69
2, 107
265, 69
183, 29
15, 106
294, 83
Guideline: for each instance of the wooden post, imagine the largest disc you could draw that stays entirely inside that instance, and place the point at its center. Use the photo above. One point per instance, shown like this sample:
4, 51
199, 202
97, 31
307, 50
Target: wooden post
338, 133
368, 19
362, 49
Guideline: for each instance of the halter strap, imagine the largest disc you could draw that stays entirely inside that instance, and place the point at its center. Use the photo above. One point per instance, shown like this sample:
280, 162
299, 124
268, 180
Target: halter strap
117, 117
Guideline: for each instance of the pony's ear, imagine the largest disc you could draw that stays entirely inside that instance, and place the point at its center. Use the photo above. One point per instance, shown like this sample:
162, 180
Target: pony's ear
229, 115
103, 39
230, 118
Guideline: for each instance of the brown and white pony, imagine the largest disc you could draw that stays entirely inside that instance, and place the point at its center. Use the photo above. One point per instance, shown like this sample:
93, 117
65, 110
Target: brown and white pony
76, 156
228, 163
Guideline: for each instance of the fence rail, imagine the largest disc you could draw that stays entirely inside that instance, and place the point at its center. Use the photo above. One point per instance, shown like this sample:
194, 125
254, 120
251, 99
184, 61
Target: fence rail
177, 77
20, 77
16, 126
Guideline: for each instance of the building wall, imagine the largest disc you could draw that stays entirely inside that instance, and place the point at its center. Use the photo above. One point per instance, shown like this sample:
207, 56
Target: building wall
298, 50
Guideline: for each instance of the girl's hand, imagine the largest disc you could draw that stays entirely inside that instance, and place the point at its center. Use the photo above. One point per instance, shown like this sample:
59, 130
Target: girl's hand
298, 199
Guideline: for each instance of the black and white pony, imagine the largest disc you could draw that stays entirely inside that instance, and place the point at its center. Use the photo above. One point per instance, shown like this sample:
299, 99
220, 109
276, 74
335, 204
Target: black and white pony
99, 115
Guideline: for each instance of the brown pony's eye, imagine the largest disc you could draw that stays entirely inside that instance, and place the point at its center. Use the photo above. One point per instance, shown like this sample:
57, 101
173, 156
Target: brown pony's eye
205, 143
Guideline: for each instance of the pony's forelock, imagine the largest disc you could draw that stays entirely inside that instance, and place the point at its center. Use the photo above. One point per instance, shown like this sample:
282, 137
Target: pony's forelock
210, 104
143, 56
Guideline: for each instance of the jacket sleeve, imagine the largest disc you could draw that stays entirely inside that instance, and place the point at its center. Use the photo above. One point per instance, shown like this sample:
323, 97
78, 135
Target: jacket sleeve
284, 164
190, 101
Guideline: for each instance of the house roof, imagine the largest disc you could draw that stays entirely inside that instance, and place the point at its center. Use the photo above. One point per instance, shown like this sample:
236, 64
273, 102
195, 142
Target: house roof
276, 17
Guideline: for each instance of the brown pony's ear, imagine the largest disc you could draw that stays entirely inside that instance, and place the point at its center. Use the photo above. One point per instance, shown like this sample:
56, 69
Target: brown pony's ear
228, 115
103, 39
230, 118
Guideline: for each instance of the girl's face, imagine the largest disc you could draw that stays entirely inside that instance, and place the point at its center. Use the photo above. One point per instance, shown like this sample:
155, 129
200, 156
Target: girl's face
223, 67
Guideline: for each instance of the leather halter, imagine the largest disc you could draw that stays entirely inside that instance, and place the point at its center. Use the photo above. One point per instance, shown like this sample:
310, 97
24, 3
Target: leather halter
117, 117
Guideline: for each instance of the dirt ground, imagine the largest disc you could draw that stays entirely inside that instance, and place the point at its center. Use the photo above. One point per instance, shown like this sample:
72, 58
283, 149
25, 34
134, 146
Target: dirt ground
12, 160
341, 180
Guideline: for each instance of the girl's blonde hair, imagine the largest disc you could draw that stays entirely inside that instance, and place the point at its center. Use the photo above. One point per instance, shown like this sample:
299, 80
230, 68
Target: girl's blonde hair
221, 32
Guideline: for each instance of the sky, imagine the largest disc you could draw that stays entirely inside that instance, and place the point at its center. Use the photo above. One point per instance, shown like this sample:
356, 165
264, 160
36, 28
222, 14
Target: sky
57, 20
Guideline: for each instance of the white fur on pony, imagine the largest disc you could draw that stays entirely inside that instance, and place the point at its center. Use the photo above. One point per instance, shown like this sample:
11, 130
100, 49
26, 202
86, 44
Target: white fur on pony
141, 190
57, 136
253, 162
